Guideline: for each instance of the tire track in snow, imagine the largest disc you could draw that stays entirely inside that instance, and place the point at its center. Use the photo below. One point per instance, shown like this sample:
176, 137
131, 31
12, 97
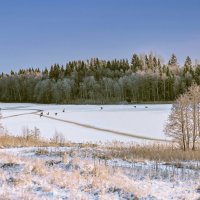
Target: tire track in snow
106, 130
21, 114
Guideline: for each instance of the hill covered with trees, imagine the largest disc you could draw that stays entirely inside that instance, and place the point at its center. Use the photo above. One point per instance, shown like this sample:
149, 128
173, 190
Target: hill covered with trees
145, 78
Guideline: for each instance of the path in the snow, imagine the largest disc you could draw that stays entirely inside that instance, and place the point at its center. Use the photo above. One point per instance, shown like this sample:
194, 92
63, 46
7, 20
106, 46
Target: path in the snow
21, 114
106, 130
36, 112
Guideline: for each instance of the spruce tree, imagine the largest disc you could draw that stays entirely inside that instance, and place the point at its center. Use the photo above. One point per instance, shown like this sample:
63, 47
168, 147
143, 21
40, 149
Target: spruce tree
136, 63
188, 65
173, 60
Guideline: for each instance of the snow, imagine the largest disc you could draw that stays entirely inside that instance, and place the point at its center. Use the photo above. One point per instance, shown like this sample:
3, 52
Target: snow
22, 170
24, 174
142, 120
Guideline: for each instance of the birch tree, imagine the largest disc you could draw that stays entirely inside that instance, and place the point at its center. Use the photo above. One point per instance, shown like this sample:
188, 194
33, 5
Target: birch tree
183, 124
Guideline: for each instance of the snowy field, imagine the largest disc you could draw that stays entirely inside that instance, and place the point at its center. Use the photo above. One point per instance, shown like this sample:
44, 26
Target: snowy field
105, 124
74, 173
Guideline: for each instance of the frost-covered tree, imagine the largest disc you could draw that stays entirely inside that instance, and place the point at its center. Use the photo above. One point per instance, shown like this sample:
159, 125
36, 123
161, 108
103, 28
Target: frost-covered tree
194, 105
176, 125
183, 125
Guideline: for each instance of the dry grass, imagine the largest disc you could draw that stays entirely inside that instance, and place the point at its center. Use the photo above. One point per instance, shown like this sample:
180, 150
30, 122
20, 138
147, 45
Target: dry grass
39, 168
8, 141
20, 141
155, 152
130, 152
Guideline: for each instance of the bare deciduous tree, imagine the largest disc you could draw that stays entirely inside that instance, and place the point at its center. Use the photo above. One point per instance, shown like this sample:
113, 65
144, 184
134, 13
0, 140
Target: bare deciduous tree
184, 120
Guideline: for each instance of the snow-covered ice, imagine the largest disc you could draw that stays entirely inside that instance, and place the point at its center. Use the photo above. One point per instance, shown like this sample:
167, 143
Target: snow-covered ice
142, 120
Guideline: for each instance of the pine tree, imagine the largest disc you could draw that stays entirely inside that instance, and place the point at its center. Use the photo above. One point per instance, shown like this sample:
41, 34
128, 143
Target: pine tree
151, 62
45, 72
136, 63
188, 65
155, 62
173, 61
173, 64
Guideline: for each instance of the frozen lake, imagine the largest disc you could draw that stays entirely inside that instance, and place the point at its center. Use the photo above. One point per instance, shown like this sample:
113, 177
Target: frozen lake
82, 123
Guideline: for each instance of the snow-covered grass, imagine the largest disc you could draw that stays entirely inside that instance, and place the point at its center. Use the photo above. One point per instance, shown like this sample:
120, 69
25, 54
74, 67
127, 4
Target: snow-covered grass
141, 120
76, 173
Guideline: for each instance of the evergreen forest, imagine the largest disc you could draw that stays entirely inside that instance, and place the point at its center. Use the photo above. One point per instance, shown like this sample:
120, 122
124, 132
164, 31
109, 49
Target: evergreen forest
146, 78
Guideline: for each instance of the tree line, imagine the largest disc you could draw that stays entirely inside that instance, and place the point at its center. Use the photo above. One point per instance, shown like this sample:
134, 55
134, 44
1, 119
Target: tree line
145, 78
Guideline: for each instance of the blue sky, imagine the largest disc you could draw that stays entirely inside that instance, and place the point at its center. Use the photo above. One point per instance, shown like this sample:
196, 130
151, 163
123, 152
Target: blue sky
38, 33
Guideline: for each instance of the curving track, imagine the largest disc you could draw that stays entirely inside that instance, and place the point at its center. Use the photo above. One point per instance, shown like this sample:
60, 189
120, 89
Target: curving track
36, 112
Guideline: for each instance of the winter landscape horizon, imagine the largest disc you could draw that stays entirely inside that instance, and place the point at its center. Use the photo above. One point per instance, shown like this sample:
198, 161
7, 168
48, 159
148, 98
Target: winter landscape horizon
99, 100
